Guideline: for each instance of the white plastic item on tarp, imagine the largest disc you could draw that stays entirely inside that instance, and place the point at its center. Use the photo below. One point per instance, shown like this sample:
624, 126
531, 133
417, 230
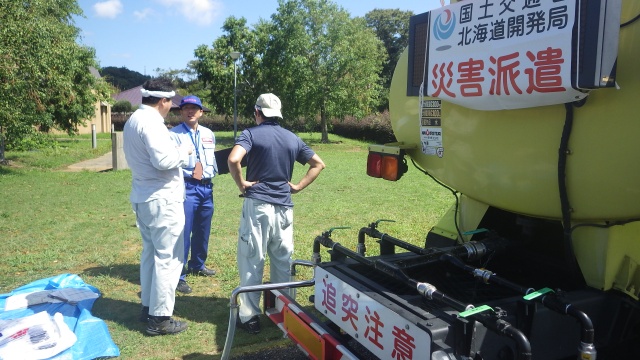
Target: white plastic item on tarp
35, 337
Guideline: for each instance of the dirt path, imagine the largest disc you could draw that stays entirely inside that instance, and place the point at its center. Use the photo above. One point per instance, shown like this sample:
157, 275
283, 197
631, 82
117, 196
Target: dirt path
102, 163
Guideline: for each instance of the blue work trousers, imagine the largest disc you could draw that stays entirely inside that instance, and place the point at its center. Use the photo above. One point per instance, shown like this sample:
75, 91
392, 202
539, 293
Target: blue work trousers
198, 211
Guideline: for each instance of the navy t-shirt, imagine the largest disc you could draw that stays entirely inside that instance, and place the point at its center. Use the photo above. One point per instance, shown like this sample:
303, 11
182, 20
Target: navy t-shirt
271, 153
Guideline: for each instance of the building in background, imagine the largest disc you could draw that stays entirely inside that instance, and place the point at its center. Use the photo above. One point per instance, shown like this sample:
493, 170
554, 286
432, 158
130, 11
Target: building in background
102, 116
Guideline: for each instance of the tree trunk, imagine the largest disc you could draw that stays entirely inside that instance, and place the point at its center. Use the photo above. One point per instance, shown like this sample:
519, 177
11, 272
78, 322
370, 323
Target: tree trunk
3, 161
323, 125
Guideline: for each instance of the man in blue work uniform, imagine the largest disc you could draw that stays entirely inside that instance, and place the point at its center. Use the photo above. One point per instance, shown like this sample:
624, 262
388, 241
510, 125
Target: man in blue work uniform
198, 204
266, 224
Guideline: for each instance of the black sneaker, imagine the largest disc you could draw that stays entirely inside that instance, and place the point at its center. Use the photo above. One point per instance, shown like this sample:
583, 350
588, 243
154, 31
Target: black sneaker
252, 326
165, 325
144, 314
203, 272
183, 287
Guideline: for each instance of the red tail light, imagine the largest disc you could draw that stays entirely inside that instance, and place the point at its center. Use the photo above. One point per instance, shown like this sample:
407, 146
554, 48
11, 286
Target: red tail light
374, 165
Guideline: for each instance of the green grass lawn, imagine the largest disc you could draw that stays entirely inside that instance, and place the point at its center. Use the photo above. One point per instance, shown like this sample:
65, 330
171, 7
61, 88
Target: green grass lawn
53, 221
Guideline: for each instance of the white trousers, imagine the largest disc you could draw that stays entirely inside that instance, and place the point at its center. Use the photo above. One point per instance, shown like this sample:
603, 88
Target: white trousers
264, 229
161, 225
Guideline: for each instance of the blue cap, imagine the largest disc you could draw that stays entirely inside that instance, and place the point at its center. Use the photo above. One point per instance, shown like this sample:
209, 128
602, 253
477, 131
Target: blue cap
191, 99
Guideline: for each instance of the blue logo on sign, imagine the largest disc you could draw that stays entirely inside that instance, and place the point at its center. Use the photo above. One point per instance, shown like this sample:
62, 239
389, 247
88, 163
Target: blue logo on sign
444, 25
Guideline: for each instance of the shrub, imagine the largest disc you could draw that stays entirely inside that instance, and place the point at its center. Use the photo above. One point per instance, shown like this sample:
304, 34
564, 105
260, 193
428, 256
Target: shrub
375, 128
30, 139
122, 106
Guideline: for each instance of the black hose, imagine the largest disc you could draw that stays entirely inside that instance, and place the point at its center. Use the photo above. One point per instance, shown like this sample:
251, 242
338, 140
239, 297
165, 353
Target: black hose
363, 231
588, 332
562, 170
394, 272
607, 224
374, 233
488, 276
430, 292
470, 250
457, 262
316, 244
630, 21
454, 192
563, 151
551, 301
523, 344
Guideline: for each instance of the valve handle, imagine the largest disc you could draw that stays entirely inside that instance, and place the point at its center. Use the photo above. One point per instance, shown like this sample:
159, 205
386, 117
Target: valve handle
374, 225
328, 233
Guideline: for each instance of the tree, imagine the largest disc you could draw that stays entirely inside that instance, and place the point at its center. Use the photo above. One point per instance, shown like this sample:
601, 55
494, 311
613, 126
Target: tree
215, 67
123, 78
392, 28
122, 106
186, 82
320, 61
44, 74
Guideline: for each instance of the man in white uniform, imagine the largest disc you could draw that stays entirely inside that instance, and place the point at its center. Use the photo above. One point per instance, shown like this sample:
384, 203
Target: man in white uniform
157, 194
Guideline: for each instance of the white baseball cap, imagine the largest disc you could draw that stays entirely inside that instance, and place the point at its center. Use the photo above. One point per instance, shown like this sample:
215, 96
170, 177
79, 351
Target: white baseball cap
270, 105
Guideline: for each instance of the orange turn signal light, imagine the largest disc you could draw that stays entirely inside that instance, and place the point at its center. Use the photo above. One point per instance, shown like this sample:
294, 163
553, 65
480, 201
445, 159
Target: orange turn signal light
387, 166
390, 168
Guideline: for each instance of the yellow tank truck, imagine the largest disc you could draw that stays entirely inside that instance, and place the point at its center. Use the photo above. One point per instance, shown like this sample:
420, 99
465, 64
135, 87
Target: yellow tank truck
529, 112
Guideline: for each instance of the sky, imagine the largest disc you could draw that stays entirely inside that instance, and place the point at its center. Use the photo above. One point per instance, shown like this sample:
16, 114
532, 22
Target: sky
144, 35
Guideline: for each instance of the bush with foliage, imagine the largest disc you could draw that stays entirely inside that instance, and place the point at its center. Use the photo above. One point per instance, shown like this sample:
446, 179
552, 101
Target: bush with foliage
374, 128
27, 138
122, 106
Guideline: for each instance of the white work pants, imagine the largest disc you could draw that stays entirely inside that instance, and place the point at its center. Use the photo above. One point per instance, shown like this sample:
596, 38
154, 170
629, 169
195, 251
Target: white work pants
161, 224
264, 229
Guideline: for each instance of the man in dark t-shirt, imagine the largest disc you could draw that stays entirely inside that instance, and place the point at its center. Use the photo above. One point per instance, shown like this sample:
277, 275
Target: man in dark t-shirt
266, 226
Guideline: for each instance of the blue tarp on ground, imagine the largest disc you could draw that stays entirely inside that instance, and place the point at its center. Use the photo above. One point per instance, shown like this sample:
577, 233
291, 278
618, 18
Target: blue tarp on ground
94, 340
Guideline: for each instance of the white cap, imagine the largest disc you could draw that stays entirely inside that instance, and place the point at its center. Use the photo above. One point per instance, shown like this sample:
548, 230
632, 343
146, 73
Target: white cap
270, 105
